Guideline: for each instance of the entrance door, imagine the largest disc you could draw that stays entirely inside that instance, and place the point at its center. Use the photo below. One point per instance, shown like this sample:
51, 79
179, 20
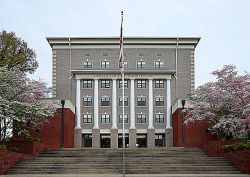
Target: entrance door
141, 140
120, 140
105, 141
159, 140
87, 140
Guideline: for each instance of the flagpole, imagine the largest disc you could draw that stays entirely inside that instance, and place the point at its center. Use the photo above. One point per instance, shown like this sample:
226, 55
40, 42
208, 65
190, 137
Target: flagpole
123, 105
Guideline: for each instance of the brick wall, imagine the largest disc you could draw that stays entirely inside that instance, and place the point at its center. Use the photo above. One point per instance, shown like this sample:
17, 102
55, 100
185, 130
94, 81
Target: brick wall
50, 133
195, 134
8, 160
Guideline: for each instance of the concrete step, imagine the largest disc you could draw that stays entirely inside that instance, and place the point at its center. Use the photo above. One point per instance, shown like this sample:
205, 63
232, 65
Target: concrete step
137, 161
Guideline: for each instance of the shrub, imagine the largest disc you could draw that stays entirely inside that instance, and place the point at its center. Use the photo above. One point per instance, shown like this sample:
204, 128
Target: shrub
13, 149
3, 147
236, 147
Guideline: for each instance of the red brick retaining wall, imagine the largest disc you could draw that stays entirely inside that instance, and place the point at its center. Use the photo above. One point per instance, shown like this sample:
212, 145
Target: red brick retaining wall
8, 160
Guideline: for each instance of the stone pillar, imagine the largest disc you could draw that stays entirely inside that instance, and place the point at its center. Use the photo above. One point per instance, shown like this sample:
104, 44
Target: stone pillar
151, 138
114, 105
150, 103
78, 138
132, 104
132, 138
96, 138
96, 104
114, 138
169, 137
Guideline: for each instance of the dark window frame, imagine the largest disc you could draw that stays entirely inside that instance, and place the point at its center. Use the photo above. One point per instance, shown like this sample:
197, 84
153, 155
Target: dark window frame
125, 118
159, 118
159, 83
105, 64
125, 101
87, 101
105, 83
87, 118
141, 101
105, 118
159, 101
141, 83
140, 64
87, 64
125, 83
159, 64
105, 101
87, 83
141, 118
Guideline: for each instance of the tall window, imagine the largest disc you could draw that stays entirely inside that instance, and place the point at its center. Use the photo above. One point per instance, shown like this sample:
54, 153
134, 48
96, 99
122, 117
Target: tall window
141, 118
159, 83
87, 64
125, 83
159, 118
105, 84
87, 118
159, 101
105, 101
105, 64
105, 118
159, 64
125, 118
87, 101
87, 83
141, 101
141, 64
141, 83
125, 101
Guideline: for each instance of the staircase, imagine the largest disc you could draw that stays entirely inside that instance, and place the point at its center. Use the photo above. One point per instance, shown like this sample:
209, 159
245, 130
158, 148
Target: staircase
137, 161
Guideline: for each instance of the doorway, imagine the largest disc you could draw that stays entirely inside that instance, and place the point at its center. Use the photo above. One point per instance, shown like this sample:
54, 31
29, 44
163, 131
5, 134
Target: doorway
141, 140
120, 140
87, 140
105, 140
159, 140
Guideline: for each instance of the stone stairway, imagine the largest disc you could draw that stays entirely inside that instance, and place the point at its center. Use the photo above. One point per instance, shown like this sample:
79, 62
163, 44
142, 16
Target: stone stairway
137, 161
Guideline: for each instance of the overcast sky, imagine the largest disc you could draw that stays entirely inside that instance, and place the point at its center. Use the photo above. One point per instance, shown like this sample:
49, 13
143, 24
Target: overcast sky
223, 25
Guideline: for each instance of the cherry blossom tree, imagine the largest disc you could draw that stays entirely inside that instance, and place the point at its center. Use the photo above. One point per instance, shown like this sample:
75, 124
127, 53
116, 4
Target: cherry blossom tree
23, 103
225, 103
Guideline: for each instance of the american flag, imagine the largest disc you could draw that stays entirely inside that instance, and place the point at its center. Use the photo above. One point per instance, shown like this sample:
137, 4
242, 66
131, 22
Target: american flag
121, 59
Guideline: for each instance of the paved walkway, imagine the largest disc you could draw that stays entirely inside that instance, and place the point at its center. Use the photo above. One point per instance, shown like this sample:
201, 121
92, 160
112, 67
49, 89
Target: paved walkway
129, 175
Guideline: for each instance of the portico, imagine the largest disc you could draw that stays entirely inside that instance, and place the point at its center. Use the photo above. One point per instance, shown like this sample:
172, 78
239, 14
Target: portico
133, 127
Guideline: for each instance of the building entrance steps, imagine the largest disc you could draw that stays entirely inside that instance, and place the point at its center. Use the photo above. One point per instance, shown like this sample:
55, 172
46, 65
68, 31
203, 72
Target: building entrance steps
154, 161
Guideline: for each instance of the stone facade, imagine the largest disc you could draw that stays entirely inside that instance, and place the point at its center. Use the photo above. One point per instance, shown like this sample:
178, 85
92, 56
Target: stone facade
158, 71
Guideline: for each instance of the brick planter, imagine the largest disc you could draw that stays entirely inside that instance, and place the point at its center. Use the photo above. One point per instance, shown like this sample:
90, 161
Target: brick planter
8, 160
31, 148
240, 159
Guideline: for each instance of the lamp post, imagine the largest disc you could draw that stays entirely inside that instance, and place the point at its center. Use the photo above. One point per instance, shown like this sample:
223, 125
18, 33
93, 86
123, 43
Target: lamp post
182, 113
63, 103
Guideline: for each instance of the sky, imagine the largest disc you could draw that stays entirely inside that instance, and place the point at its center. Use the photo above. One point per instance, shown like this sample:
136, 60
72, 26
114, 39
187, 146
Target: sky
223, 25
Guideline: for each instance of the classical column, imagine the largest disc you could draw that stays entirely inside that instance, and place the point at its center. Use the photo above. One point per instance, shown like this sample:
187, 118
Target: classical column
96, 111
114, 106
78, 130
168, 104
150, 103
132, 103
78, 103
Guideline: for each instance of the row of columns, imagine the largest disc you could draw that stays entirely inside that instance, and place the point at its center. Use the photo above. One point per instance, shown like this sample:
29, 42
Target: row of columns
114, 103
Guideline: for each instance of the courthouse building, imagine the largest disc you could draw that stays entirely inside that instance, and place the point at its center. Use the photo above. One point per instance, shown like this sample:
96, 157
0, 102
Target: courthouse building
159, 71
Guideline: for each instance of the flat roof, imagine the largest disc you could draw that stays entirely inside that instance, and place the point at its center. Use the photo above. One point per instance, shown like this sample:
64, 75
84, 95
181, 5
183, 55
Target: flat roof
134, 40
